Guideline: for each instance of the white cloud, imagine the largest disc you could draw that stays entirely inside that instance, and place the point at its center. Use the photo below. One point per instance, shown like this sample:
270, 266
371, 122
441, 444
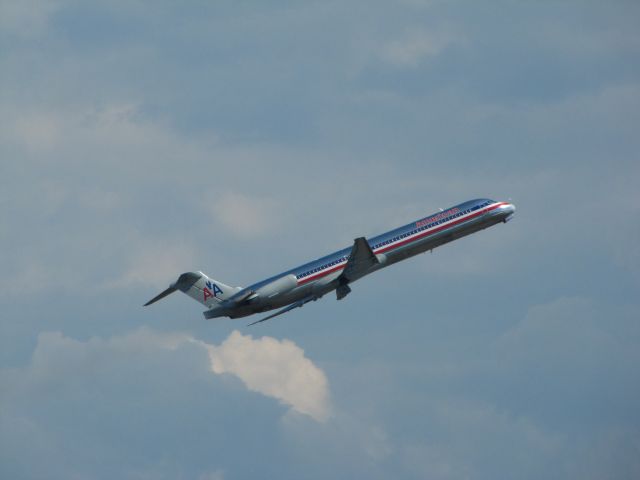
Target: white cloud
156, 264
568, 330
414, 46
274, 368
467, 432
26, 18
111, 157
114, 133
37, 132
245, 216
215, 475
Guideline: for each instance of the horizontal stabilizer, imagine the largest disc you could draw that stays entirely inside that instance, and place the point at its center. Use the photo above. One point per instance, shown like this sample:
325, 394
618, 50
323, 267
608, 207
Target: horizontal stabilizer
183, 283
160, 296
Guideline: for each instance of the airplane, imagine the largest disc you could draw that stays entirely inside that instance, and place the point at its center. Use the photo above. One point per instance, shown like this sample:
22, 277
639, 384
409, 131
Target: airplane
311, 281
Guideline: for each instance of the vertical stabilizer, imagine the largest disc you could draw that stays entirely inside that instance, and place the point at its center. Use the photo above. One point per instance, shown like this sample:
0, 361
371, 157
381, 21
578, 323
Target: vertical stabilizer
198, 286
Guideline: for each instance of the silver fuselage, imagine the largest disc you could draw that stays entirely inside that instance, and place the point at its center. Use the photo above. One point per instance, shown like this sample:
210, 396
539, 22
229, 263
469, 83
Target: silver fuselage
319, 277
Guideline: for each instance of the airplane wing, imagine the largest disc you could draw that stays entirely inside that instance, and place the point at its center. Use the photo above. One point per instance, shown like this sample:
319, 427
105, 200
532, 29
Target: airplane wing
360, 260
297, 304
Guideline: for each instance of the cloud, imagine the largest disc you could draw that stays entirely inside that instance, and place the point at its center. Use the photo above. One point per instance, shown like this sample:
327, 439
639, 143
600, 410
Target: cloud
215, 475
128, 154
156, 264
469, 437
414, 46
274, 368
568, 330
89, 215
150, 392
244, 215
38, 132
26, 18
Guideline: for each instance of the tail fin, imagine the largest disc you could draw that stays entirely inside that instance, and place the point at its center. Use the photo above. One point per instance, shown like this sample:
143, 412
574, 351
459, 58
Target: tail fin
198, 286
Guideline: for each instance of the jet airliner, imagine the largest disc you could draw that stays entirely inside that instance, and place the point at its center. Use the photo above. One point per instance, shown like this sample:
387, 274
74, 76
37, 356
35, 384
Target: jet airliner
335, 272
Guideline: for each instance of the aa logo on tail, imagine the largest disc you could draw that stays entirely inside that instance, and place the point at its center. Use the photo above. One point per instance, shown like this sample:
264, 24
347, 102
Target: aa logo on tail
211, 290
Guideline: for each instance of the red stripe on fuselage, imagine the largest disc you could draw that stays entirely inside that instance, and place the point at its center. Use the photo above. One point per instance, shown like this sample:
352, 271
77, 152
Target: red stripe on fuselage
440, 228
424, 234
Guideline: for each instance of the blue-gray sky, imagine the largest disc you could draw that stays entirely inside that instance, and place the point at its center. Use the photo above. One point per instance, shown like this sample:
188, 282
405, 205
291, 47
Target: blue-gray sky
142, 139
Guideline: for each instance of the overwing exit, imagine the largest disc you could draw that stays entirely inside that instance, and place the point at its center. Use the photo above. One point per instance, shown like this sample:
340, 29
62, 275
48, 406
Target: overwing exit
311, 281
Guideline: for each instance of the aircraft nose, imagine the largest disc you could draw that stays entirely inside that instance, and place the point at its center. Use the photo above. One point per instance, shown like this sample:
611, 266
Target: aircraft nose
509, 209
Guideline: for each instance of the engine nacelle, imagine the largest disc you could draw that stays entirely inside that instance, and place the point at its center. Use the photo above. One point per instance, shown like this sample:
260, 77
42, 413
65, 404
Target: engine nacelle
278, 286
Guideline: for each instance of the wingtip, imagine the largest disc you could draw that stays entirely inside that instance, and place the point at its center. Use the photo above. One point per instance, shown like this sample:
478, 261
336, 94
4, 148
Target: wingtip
262, 320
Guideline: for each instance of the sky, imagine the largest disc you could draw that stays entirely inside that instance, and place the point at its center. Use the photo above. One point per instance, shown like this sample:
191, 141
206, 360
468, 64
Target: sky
140, 140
